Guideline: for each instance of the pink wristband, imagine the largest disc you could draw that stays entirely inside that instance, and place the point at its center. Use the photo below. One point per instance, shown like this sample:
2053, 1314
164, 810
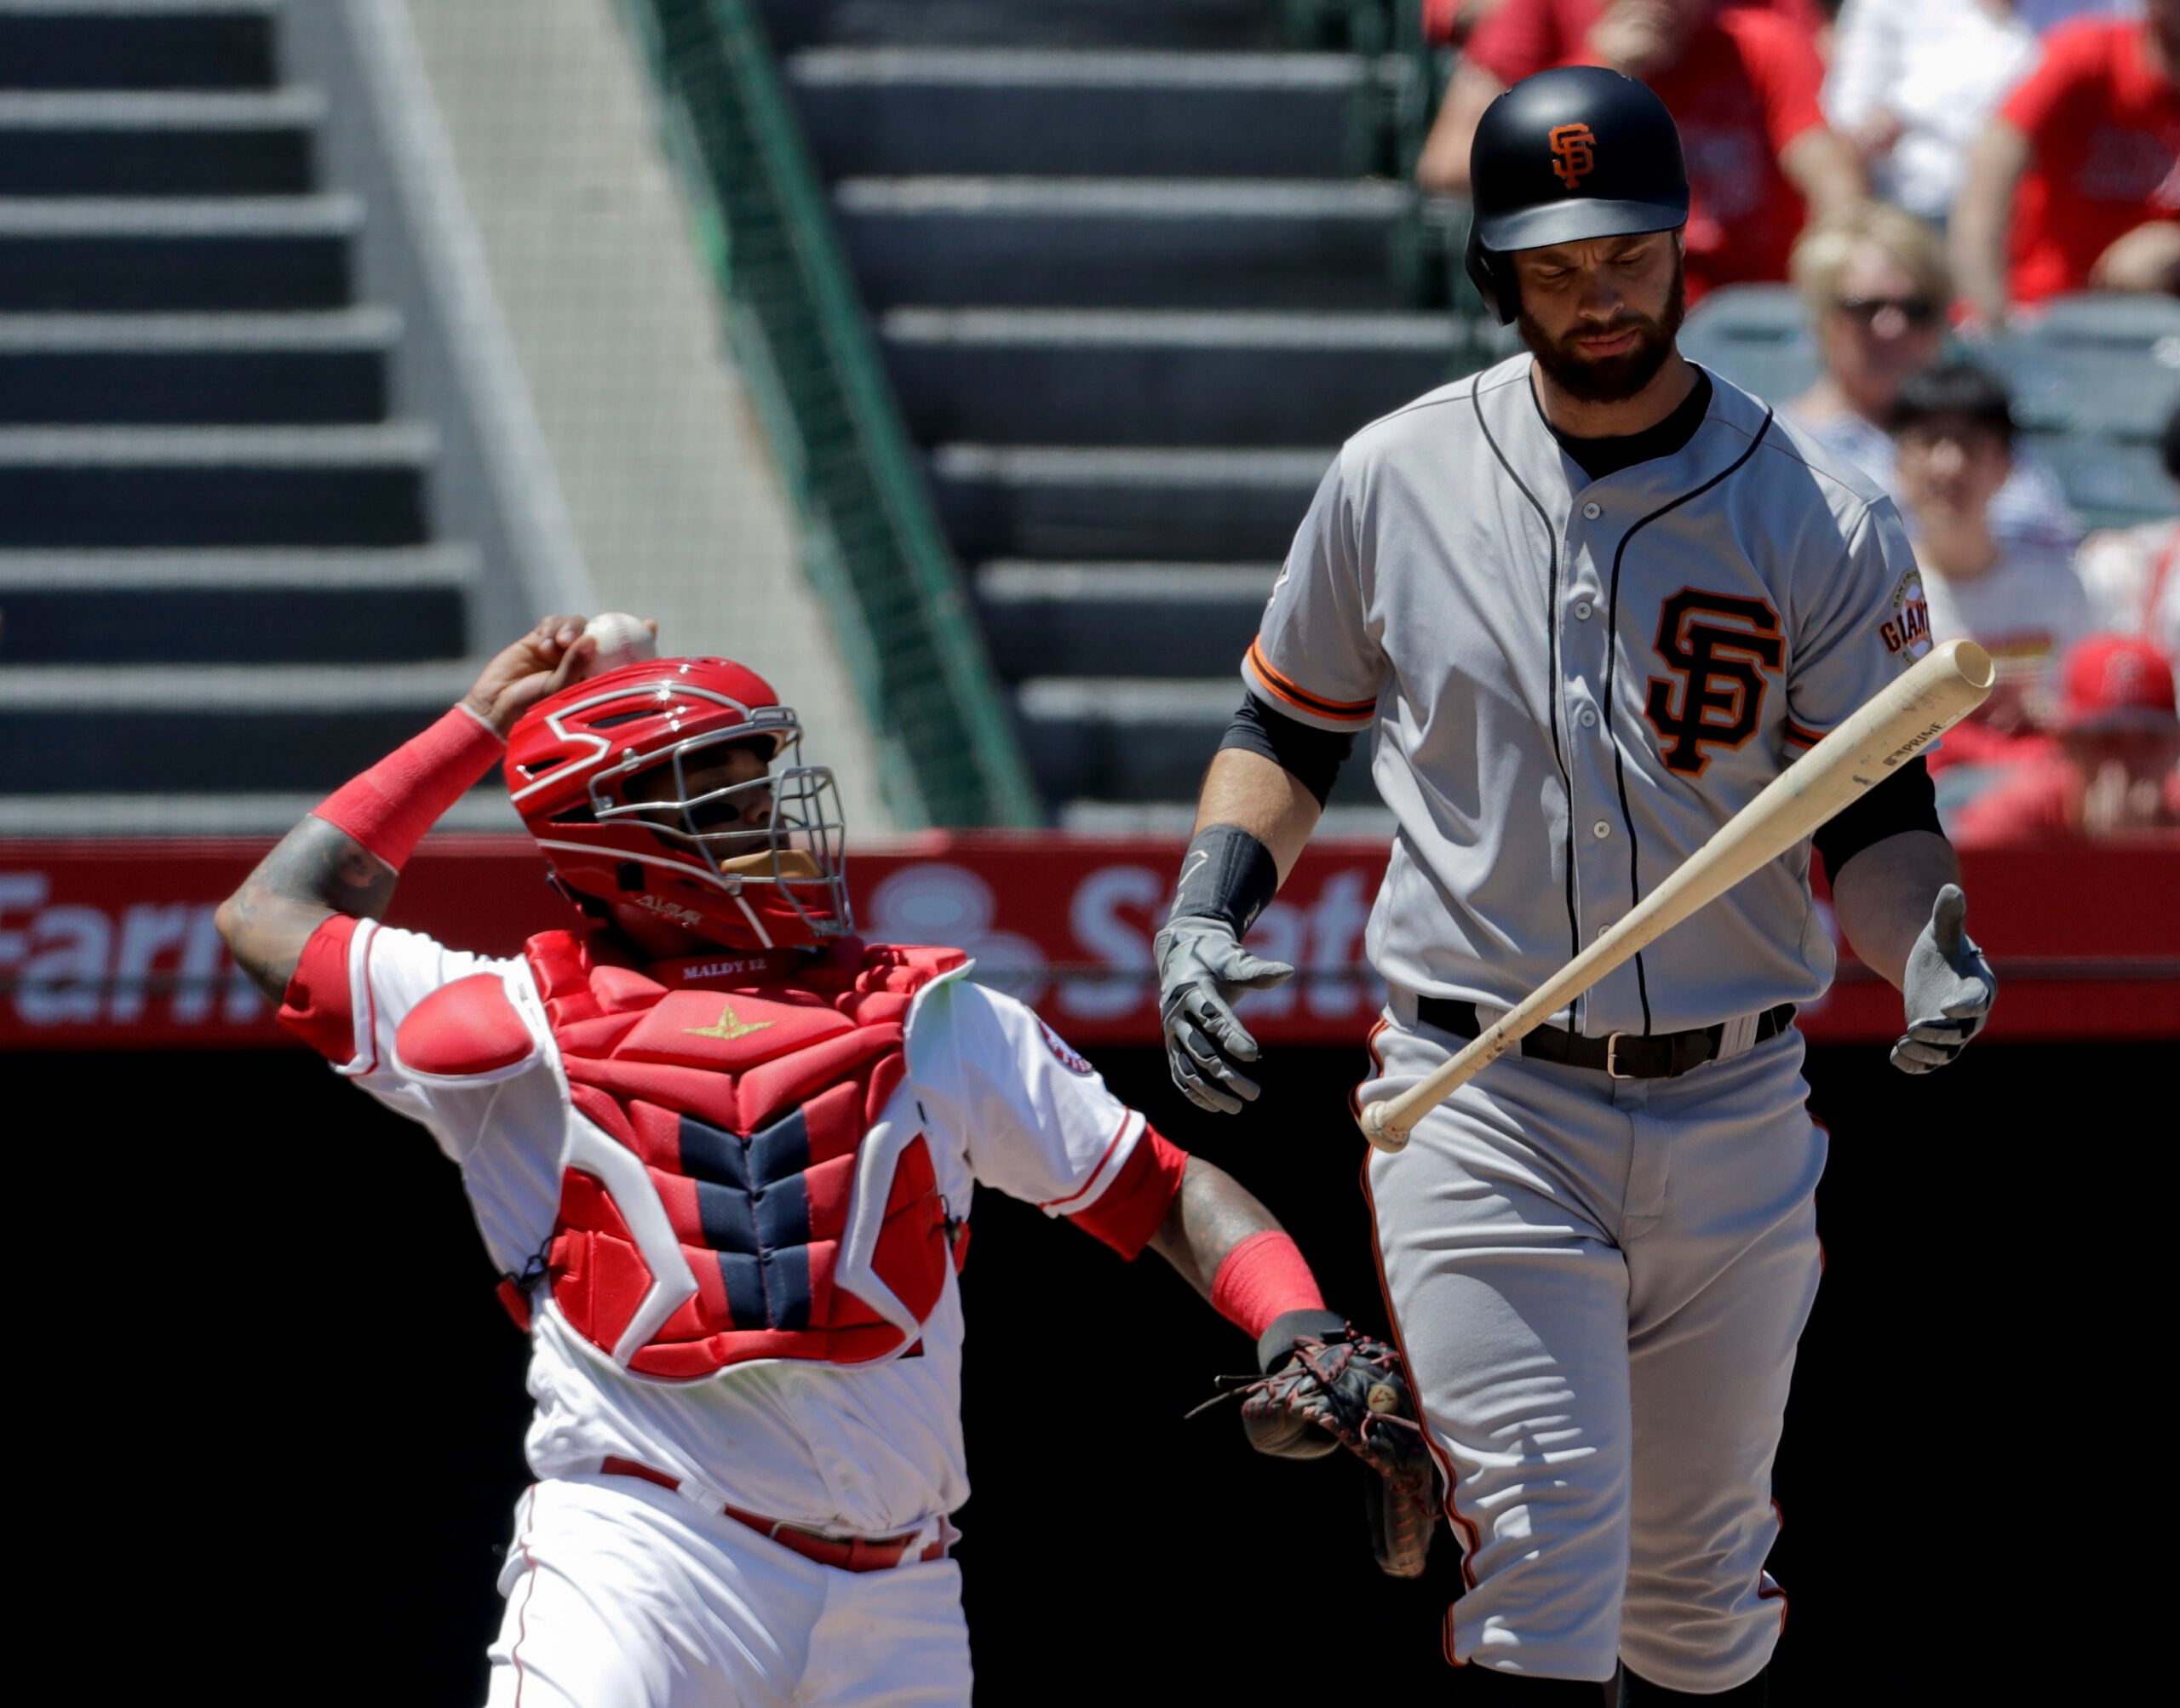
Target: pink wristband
390, 806
1263, 1278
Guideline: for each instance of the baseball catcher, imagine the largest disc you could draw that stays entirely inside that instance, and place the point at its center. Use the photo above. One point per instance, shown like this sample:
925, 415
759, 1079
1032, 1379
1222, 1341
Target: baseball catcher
722, 1151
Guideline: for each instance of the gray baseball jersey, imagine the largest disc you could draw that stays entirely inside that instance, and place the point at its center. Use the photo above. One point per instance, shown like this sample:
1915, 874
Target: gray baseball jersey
1572, 684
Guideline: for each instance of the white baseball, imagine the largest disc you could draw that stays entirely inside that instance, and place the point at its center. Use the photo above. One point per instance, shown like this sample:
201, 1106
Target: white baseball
621, 640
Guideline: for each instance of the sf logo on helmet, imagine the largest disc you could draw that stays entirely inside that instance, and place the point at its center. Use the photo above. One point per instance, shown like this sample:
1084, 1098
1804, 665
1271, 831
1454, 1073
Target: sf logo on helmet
1718, 674
1576, 148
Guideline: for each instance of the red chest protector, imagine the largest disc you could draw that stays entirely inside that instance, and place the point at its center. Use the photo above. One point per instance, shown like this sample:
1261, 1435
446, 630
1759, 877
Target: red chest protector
734, 1185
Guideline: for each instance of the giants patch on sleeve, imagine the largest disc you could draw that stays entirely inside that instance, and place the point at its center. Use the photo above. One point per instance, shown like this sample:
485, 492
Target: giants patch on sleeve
1907, 625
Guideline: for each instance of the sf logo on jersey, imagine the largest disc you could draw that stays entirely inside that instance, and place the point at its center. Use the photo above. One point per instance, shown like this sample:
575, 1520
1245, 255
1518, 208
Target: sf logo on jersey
1718, 647
1576, 150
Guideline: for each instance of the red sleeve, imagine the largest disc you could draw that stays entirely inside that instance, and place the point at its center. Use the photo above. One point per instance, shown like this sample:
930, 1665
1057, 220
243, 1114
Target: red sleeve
317, 1006
1807, 21
1525, 37
2072, 55
1783, 66
1128, 1213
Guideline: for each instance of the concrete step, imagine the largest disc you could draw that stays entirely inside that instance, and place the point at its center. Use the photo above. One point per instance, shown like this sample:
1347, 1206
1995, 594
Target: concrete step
76, 729
1127, 740
173, 368
1122, 242
1146, 619
1148, 505
1206, 23
126, 143
214, 486
137, 43
253, 607
1352, 821
166, 256
1124, 376
895, 112
484, 809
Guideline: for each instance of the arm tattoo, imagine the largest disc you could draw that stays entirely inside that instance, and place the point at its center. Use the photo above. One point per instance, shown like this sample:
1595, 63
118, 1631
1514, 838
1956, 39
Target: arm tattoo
315, 871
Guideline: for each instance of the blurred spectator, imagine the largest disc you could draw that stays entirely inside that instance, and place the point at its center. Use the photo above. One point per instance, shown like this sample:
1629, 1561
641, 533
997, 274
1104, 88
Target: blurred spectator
2114, 766
2021, 602
1742, 84
1910, 87
1875, 281
2129, 571
2075, 184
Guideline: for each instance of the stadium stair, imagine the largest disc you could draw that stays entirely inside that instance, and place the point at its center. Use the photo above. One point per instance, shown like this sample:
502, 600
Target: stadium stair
219, 585
1135, 281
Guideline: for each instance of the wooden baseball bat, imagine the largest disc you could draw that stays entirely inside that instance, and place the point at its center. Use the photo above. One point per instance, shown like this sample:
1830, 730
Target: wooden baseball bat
1896, 724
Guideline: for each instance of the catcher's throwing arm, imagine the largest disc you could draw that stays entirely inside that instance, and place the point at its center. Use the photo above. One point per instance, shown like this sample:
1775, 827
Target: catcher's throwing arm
1892, 728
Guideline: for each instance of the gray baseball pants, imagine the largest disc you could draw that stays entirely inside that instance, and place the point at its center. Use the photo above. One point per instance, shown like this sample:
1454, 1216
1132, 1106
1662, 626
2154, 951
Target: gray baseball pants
1598, 1284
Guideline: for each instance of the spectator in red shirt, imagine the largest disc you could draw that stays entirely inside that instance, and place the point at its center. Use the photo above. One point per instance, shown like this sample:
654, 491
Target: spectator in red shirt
2115, 767
1742, 84
2075, 183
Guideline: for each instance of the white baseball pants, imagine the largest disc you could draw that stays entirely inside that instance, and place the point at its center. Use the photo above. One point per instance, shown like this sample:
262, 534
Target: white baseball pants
621, 1595
1598, 1284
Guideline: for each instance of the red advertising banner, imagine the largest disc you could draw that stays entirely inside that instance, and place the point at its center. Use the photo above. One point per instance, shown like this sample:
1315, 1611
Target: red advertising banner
112, 944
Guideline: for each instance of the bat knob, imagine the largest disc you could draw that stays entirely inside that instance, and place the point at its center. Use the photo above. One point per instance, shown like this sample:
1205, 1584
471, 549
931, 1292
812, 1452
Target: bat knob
1376, 1129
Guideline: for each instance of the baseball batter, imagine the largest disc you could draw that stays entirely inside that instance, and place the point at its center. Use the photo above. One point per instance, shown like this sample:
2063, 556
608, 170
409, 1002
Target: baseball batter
1587, 603
722, 1152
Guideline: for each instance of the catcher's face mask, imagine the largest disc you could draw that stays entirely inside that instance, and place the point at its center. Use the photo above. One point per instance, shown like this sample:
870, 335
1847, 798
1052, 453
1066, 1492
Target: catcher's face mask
676, 785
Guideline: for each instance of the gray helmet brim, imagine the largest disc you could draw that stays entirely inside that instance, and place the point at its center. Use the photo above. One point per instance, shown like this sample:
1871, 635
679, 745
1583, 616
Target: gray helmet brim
1574, 220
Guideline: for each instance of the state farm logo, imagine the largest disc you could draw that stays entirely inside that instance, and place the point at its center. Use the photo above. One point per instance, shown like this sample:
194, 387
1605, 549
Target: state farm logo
152, 964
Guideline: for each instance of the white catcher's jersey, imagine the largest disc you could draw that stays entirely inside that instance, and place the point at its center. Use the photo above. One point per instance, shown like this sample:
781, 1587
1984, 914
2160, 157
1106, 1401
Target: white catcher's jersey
1572, 684
874, 1449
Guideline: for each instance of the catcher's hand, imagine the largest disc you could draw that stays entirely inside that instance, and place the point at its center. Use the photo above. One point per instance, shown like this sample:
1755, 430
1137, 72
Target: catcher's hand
1328, 1385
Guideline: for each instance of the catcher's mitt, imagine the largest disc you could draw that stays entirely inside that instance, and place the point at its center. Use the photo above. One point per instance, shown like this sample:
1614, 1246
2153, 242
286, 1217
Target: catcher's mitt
1326, 1383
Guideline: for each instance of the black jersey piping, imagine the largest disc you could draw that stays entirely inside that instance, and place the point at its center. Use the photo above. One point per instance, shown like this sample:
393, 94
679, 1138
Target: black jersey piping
1611, 662
1552, 643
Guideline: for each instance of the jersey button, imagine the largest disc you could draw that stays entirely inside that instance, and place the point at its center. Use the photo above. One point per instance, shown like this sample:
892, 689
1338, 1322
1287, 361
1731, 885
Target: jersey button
1600, 830
1593, 510
1582, 609
1589, 718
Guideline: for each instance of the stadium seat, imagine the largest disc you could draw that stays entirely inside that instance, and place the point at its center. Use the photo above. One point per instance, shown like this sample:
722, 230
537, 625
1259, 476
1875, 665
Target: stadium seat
1756, 336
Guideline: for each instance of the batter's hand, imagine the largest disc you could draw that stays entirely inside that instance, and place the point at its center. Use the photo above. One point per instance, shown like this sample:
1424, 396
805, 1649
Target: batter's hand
544, 661
1201, 968
1949, 988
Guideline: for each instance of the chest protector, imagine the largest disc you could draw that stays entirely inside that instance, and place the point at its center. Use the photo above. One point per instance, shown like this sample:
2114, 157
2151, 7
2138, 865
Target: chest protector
735, 1186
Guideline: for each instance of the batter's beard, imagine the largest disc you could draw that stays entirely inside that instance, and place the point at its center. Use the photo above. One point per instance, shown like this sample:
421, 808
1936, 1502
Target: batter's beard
1611, 379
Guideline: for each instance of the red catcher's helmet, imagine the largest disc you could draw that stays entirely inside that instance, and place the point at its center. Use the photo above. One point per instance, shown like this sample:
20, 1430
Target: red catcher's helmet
715, 863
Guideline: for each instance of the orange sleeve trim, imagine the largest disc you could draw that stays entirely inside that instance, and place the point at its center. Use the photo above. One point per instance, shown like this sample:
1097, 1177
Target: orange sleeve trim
1348, 711
1801, 734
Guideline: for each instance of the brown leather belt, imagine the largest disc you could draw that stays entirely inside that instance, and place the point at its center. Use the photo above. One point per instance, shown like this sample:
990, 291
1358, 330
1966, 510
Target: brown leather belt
1624, 1055
841, 1553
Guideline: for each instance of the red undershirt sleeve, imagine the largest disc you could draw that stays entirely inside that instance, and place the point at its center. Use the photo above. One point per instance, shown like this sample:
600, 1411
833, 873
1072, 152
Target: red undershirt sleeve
318, 1008
1128, 1212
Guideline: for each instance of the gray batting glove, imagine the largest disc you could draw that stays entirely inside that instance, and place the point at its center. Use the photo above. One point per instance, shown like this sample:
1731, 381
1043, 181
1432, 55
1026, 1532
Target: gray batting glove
1949, 989
1201, 968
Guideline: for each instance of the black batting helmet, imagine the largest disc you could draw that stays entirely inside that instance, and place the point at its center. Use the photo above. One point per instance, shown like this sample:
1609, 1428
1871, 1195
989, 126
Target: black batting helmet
1576, 152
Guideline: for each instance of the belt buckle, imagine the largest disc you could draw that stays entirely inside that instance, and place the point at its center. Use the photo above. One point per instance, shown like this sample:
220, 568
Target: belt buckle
1612, 1056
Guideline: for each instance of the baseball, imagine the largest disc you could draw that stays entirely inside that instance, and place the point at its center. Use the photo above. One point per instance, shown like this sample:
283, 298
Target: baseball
621, 640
